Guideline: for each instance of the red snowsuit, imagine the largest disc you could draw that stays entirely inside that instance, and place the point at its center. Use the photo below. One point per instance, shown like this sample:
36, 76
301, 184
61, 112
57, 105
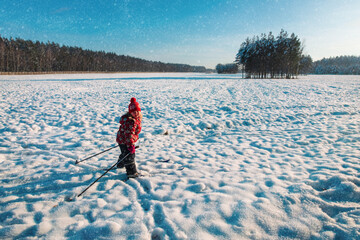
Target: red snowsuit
129, 130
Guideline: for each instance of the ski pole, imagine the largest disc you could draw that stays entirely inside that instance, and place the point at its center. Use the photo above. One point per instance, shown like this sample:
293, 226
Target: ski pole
95, 154
104, 173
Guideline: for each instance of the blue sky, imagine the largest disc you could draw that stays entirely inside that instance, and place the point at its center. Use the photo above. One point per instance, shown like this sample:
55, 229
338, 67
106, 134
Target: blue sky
196, 32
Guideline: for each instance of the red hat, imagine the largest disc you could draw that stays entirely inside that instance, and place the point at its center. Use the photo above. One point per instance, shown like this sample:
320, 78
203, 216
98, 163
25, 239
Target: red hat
134, 106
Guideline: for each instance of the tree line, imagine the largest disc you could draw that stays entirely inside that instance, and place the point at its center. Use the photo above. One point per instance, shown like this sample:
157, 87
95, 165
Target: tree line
269, 56
18, 55
337, 65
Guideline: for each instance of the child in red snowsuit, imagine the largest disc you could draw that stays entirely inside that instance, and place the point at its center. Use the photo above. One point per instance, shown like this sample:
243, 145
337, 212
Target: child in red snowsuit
127, 135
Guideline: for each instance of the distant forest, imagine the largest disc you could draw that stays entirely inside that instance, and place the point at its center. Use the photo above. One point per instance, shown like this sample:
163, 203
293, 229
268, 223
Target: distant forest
337, 65
18, 55
231, 68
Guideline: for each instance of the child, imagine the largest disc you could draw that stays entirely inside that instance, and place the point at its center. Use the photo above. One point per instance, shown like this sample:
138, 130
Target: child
126, 137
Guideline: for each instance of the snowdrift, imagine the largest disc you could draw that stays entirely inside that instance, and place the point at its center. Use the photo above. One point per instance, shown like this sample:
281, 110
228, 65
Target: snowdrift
224, 157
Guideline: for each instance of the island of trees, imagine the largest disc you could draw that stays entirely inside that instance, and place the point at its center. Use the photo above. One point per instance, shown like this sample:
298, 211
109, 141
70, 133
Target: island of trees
18, 55
267, 56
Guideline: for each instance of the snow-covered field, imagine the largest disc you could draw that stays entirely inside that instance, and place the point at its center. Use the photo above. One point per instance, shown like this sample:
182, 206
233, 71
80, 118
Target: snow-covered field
225, 157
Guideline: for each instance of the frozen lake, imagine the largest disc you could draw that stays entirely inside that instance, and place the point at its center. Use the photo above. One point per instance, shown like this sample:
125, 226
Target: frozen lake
225, 157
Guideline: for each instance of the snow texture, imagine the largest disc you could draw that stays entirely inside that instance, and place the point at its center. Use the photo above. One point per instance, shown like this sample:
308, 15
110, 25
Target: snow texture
225, 157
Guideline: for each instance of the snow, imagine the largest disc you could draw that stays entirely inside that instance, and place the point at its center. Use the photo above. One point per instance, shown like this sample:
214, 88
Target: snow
224, 157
